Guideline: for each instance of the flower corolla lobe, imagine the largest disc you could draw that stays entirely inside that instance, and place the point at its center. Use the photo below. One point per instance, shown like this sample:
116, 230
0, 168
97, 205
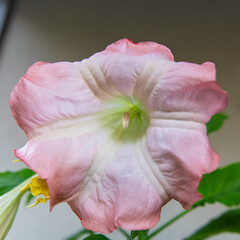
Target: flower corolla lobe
112, 175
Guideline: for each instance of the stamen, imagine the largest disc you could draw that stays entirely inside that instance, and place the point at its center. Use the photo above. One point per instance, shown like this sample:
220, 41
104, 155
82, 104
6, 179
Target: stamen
37, 187
17, 160
125, 120
39, 200
25, 188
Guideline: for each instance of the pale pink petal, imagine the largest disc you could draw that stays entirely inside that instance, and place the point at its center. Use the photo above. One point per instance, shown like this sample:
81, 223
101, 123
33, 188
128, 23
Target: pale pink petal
55, 107
182, 157
124, 196
128, 47
49, 92
122, 63
63, 162
188, 87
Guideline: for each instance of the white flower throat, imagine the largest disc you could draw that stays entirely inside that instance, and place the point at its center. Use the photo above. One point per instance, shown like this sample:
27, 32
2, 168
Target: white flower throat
128, 119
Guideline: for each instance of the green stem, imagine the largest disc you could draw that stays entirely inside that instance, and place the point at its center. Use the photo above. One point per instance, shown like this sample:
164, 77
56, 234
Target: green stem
169, 223
124, 232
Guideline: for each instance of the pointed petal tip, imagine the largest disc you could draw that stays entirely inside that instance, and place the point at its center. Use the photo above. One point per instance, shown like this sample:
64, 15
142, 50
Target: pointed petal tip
129, 47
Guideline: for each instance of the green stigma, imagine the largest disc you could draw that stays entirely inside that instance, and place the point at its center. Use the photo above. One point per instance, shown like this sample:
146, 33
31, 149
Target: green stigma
127, 118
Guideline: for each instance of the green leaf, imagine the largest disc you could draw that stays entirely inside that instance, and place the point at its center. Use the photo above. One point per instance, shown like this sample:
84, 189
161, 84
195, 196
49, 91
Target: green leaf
79, 234
134, 234
96, 237
222, 185
216, 122
228, 222
9, 180
142, 235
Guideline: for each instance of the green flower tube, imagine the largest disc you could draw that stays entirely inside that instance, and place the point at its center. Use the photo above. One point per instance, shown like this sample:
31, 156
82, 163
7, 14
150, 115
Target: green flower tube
9, 203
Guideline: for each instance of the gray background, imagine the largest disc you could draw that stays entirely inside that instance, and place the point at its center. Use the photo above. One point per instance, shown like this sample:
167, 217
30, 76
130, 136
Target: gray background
195, 31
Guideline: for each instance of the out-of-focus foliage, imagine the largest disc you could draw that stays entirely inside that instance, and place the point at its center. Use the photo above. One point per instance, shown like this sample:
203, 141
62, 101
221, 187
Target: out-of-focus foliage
134, 234
96, 237
228, 222
216, 122
79, 234
222, 185
9, 180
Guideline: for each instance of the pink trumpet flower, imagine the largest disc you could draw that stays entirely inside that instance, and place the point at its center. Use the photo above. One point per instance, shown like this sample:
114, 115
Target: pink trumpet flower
119, 134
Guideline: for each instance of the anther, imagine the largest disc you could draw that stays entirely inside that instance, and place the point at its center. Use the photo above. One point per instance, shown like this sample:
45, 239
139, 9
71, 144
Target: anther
38, 186
125, 120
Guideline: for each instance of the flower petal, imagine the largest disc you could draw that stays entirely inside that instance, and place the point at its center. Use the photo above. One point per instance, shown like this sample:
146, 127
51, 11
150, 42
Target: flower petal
63, 162
122, 64
181, 156
188, 87
123, 196
128, 47
50, 92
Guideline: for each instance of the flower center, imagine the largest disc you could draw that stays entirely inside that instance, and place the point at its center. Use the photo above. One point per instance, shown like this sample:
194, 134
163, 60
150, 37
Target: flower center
127, 118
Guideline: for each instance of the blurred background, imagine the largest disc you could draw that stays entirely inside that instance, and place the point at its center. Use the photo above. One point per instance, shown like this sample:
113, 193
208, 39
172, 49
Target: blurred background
71, 30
